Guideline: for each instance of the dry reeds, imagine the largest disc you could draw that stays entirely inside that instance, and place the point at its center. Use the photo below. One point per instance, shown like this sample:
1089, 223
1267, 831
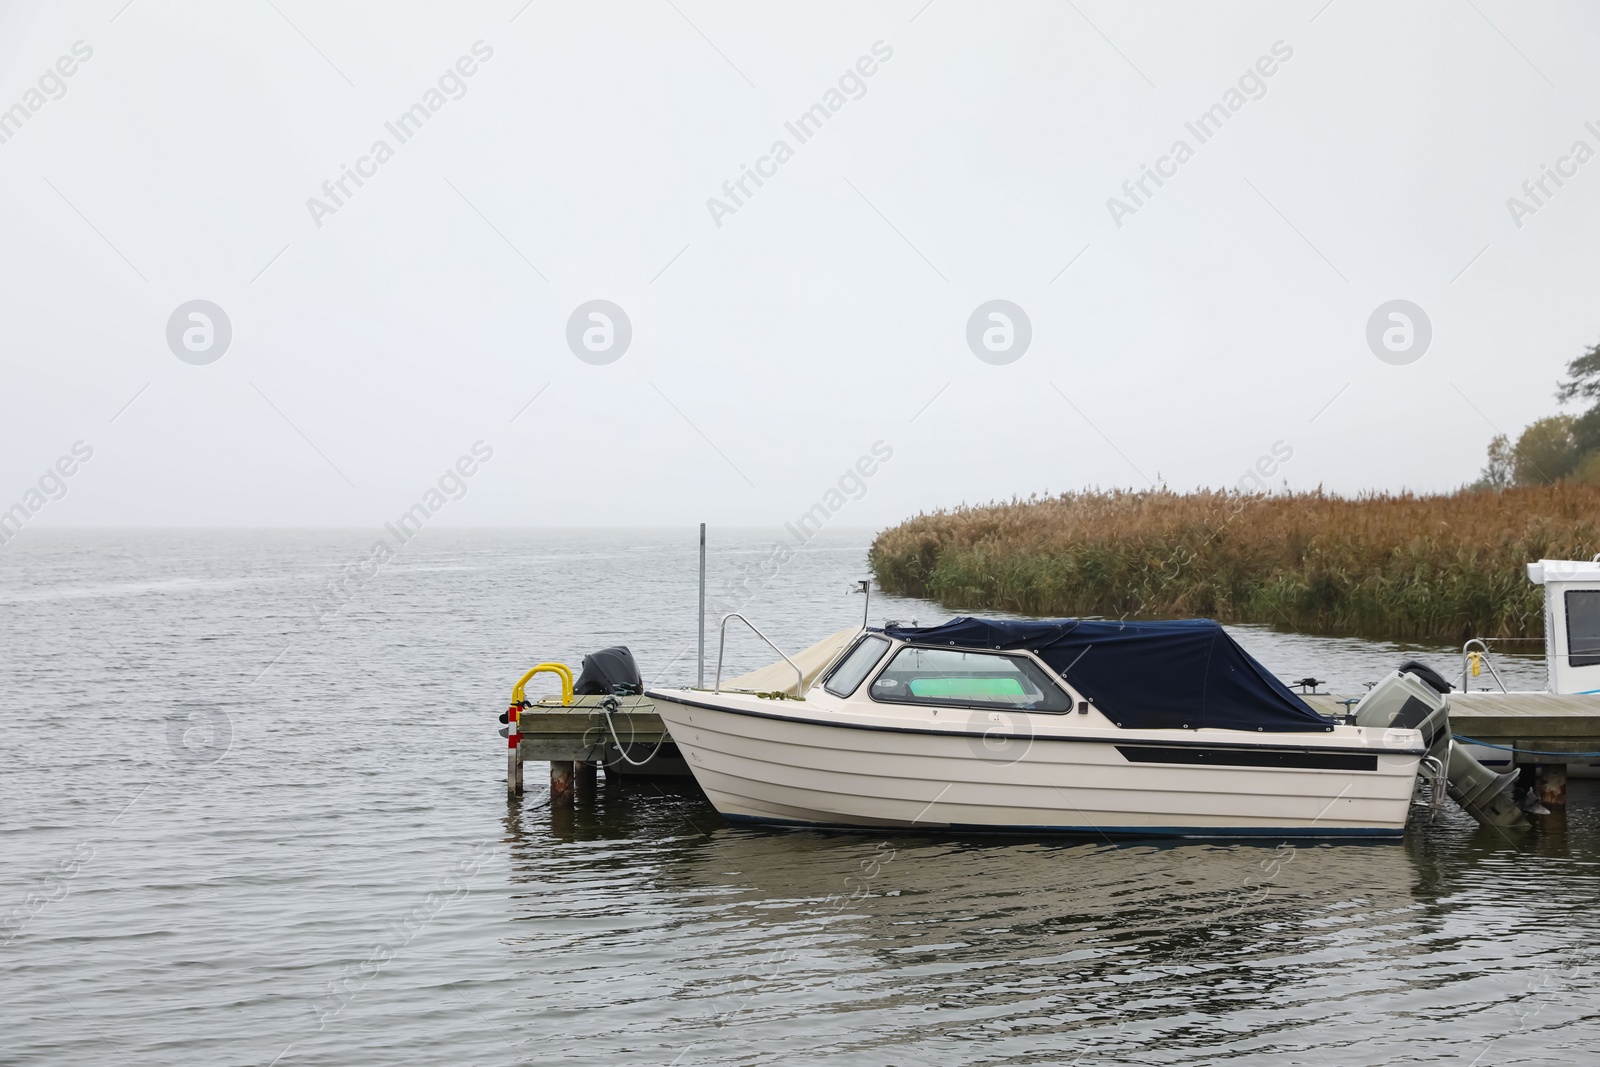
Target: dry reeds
1399, 566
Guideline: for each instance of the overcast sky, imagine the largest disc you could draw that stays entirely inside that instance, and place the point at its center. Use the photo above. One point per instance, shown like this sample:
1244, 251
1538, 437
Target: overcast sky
777, 337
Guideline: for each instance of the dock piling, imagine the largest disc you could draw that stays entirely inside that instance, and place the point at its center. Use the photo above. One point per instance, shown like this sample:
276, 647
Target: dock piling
1551, 779
513, 753
560, 780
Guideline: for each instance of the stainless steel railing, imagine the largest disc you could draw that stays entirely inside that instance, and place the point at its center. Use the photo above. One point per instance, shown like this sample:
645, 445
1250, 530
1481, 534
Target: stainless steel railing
722, 641
1482, 656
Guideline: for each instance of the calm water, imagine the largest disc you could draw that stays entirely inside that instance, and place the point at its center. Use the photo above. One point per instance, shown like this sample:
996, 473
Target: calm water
233, 834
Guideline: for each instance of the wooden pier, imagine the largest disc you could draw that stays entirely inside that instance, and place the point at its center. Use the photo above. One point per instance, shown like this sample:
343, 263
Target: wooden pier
579, 732
576, 738
1547, 722
1549, 731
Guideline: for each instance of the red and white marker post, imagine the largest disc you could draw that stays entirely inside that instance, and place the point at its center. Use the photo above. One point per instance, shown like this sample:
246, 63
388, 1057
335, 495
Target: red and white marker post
513, 752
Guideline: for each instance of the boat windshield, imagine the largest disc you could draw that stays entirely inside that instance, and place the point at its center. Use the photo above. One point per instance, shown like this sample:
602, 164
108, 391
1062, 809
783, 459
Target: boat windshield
948, 676
854, 667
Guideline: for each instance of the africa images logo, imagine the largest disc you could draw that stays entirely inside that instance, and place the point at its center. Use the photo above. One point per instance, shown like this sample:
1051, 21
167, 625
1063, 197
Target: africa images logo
199, 332
805, 126
52, 85
1252, 85
337, 192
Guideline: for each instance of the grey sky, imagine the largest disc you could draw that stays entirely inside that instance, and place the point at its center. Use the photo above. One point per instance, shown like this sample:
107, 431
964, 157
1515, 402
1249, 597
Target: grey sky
831, 306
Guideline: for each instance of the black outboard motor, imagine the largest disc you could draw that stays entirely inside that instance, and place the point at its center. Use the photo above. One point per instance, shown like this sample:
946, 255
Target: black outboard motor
609, 672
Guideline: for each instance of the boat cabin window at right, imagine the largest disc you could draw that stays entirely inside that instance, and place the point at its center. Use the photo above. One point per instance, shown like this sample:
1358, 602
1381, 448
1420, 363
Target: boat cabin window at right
949, 677
1583, 627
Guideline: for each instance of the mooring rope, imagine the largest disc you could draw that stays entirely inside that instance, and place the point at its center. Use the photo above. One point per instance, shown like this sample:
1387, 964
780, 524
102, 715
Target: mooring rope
606, 707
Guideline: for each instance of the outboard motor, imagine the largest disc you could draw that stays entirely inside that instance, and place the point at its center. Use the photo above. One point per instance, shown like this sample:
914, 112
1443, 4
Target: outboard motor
610, 672
1415, 697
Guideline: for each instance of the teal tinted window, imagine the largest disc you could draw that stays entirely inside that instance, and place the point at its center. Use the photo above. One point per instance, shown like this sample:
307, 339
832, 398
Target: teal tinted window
954, 677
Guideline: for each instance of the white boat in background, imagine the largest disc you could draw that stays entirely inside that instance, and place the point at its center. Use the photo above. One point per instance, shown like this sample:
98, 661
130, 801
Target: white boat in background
1074, 726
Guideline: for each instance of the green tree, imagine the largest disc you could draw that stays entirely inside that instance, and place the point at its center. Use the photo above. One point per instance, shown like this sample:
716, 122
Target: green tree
1583, 377
1545, 452
1588, 469
1500, 471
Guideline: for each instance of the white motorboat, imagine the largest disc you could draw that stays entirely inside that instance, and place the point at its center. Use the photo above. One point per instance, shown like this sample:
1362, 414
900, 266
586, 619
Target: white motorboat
1086, 727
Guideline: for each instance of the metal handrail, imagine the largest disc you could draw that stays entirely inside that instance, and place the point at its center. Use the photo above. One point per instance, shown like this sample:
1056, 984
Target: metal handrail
722, 640
561, 670
1483, 655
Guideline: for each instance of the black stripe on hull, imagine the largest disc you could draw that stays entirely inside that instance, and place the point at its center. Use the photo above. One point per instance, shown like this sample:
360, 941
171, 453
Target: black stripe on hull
1194, 756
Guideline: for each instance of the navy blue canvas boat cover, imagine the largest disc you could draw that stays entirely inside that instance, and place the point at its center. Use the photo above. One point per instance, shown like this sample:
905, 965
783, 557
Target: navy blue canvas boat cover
1184, 674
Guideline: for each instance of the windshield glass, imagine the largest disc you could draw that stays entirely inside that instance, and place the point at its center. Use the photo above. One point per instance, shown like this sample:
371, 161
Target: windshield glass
856, 666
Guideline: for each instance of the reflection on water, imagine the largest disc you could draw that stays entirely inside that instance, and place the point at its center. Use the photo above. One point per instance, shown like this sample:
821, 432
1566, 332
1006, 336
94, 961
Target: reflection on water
992, 951
1009, 951
324, 870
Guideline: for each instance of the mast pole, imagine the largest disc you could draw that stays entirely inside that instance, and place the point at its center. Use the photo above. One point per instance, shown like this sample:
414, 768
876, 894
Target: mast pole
700, 677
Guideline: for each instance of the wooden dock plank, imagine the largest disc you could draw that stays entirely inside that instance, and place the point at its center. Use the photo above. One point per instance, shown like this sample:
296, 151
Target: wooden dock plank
551, 731
1518, 703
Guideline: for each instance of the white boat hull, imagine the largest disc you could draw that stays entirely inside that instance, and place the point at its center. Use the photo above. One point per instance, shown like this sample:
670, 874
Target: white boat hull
1034, 776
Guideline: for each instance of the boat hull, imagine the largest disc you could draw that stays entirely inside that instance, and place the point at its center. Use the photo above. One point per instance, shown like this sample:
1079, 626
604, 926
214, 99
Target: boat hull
790, 769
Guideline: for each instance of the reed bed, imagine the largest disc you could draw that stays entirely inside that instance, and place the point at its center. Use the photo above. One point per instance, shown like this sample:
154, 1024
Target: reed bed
1399, 566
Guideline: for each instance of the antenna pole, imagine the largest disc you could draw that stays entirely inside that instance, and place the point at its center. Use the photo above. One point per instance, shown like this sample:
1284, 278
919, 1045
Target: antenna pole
700, 678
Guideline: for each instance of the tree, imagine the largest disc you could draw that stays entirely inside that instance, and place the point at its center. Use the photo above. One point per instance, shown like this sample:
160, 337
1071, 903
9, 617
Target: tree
1499, 471
1545, 452
1588, 469
1583, 377
1561, 446
1583, 382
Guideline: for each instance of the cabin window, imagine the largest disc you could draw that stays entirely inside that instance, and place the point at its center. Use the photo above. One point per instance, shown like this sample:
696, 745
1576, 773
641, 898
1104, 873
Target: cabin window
1583, 627
854, 667
948, 677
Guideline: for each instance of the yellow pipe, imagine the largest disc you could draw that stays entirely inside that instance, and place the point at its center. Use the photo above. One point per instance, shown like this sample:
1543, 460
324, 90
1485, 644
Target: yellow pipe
561, 669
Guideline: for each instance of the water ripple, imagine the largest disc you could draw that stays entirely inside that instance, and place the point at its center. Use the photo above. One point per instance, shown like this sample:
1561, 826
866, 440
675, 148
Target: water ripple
316, 865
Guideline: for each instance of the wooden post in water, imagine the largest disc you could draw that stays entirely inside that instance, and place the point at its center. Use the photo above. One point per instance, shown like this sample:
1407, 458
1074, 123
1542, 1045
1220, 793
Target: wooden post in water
560, 780
1551, 779
513, 753
584, 770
